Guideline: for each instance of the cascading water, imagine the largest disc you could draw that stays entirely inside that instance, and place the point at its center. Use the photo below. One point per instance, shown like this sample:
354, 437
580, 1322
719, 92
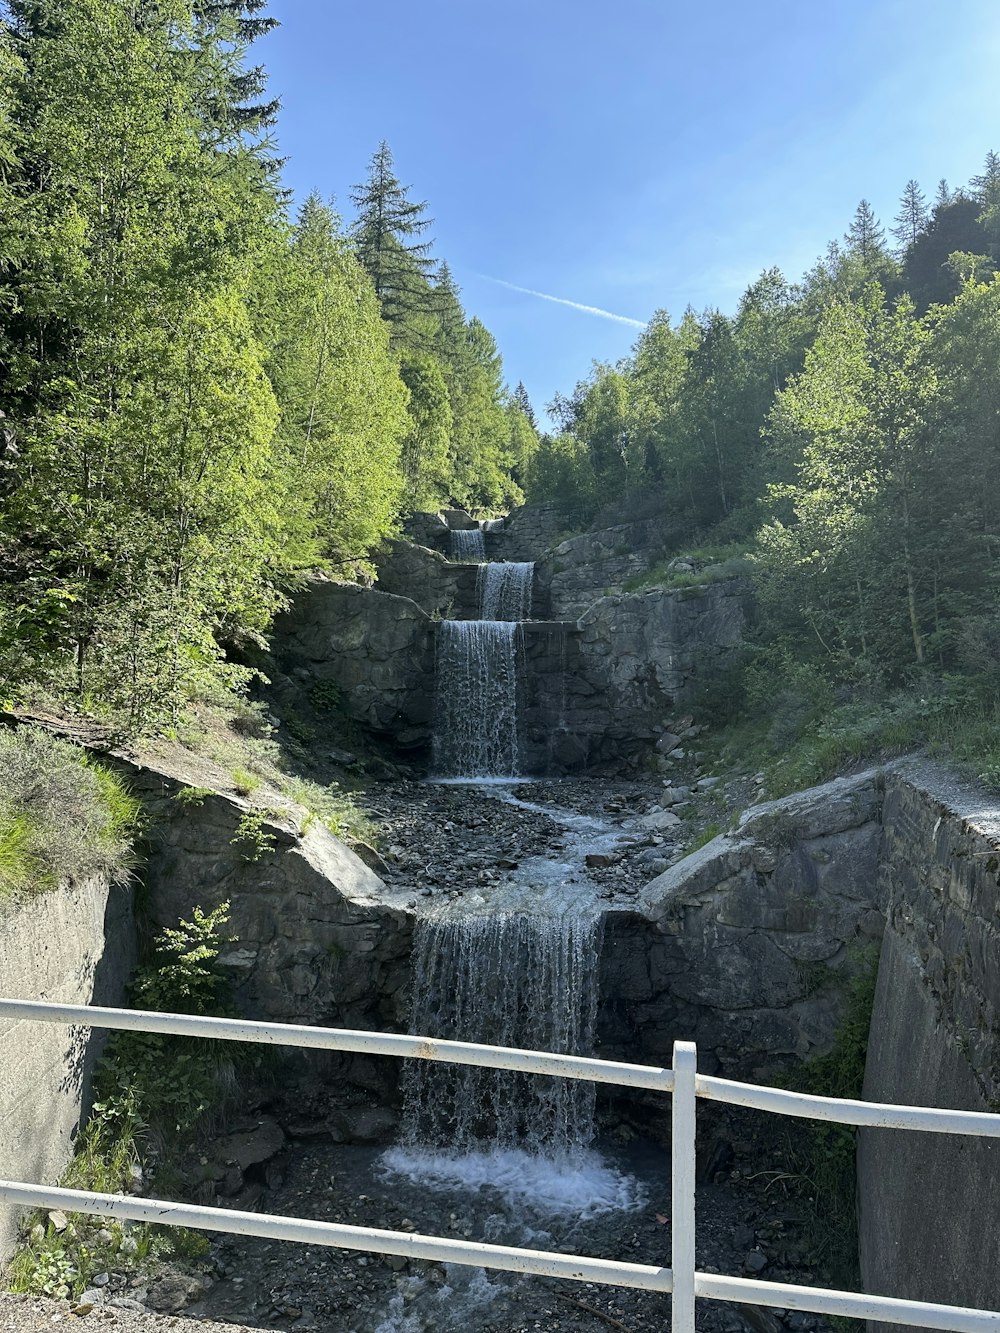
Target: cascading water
475, 718
520, 972
466, 544
518, 979
505, 590
506, 979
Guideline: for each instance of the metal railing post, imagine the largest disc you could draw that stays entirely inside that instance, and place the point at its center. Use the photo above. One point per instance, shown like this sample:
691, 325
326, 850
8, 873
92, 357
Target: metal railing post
682, 1181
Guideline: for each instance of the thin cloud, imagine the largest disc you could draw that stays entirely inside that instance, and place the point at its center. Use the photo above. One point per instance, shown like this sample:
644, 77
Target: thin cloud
560, 300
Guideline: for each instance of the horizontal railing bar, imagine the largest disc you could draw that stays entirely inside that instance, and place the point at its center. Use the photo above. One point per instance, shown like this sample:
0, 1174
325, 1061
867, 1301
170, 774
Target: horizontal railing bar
842, 1111
852, 1305
575, 1268
345, 1039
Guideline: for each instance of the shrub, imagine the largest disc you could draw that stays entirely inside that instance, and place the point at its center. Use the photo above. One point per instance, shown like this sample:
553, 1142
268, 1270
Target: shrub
62, 815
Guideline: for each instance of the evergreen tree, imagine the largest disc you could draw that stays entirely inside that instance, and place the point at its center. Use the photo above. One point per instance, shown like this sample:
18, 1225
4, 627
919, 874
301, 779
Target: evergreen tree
986, 191
385, 233
866, 237
926, 274
523, 403
135, 383
913, 216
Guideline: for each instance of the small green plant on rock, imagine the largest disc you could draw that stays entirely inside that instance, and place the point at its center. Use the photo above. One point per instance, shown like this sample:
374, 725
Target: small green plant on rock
326, 696
192, 795
251, 838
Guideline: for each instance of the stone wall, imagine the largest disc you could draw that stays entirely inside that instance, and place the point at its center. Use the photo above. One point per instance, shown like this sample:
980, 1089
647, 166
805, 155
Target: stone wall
318, 937
527, 532
746, 946
582, 569
930, 1203
428, 578
75, 944
640, 654
376, 648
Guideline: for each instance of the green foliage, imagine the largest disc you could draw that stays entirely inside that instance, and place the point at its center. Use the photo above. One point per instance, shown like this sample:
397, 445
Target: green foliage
702, 839
200, 399
62, 817
150, 1084
192, 795
252, 838
326, 696
245, 783
334, 808
710, 565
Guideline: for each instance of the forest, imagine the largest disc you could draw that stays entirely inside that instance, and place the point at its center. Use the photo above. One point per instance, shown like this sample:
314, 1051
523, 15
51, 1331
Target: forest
203, 395
206, 395
836, 442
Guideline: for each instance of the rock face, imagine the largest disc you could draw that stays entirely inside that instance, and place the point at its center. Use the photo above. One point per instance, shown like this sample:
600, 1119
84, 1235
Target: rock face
425, 576
74, 945
581, 569
643, 653
930, 1203
376, 648
746, 945
318, 936
592, 694
526, 533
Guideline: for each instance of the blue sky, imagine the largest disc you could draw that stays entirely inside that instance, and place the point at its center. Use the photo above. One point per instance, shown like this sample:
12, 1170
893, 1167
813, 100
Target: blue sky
631, 155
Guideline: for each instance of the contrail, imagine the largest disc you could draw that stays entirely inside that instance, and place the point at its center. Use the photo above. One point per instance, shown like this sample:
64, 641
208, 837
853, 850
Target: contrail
560, 300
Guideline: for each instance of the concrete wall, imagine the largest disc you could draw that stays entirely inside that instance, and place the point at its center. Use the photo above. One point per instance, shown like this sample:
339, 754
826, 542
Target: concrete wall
930, 1203
76, 945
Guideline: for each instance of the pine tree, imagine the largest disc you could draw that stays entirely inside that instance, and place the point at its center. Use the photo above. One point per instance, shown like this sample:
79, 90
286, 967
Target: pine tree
986, 186
226, 29
945, 195
913, 215
986, 189
385, 234
865, 236
523, 403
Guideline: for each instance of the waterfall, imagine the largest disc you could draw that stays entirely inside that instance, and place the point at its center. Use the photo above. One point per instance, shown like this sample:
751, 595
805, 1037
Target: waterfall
505, 590
507, 980
475, 715
526, 979
467, 544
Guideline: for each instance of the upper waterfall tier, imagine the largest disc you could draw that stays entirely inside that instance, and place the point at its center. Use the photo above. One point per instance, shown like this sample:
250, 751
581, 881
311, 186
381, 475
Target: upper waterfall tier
467, 544
475, 722
505, 590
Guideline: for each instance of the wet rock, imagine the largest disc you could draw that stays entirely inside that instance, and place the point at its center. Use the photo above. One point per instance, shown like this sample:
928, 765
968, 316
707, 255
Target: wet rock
599, 860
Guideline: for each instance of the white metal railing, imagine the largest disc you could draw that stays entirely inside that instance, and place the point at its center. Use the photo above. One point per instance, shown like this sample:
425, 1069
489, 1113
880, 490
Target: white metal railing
681, 1279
